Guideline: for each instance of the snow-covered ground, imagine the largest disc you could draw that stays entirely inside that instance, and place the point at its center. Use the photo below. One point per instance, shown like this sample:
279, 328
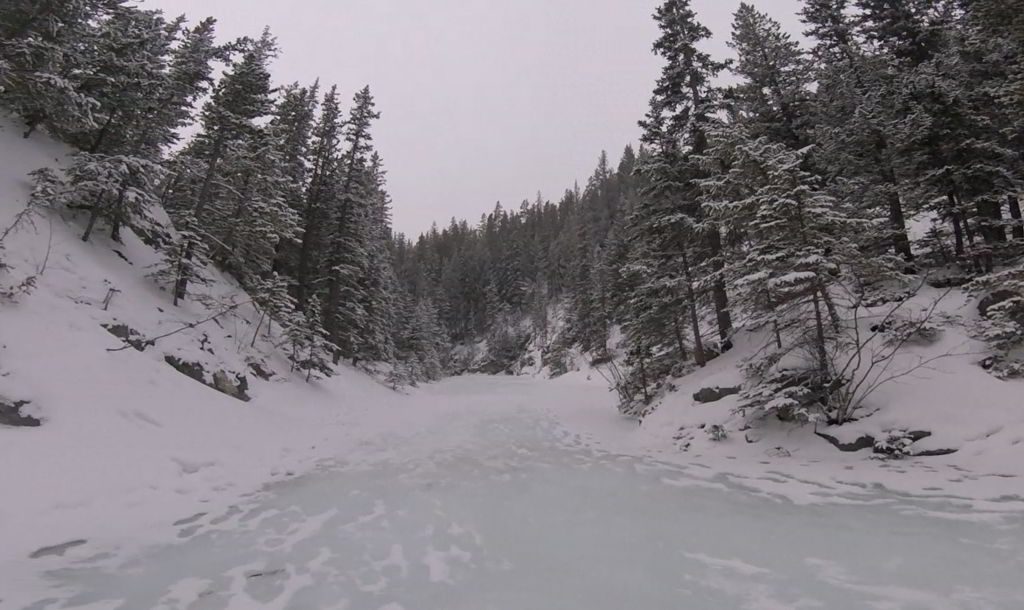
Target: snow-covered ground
145, 489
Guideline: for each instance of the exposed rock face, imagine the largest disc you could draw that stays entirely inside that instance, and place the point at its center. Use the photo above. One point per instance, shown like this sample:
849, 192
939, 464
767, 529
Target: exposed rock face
236, 388
129, 335
708, 395
234, 385
11, 415
868, 442
261, 370
864, 442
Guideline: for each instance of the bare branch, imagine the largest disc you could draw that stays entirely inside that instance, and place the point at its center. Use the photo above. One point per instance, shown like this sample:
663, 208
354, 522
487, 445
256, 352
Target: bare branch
153, 340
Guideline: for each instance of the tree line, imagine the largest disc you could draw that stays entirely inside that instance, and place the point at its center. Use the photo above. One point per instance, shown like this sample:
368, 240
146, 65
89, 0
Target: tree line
280, 187
818, 181
820, 177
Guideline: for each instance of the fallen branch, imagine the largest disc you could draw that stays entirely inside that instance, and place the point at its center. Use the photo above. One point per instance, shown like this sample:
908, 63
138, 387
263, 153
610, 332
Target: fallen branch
188, 326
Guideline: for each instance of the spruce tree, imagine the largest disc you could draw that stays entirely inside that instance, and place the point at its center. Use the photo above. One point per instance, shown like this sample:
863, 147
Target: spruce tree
309, 343
240, 98
774, 95
351, 224
682, 110
856, 122
45, 49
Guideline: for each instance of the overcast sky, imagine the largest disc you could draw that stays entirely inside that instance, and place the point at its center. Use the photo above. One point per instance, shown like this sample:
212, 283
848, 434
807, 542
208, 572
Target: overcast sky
482, 100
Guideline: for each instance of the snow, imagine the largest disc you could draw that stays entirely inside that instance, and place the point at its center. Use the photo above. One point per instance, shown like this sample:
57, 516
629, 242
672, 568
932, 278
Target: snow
146, 489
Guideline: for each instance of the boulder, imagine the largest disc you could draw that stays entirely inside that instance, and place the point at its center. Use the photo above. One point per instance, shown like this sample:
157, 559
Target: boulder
129, 335
709, 395
11, 415
864, 442
261, 370
868, 442
232, 384
235, 388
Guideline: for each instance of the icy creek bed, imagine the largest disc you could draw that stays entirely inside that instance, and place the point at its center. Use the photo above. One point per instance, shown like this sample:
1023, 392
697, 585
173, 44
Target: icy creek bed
516, 514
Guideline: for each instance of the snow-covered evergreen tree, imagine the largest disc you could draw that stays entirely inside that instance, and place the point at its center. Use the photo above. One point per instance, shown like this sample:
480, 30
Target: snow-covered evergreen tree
228, 120
774, 96
351, 235
185, 260
683, 250
310, 347
272, 297
45, 49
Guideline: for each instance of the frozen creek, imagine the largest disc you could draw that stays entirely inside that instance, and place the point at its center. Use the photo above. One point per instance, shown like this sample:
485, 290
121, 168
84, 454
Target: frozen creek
513, 513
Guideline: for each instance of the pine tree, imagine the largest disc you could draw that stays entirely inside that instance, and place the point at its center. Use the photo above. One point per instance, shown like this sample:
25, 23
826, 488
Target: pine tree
380, 283
292, 126
251, 216
682, 110
44, 50
856, 121
345, 312
185, 260
187, 80
311, 348
320, 195
907, 30
126, 78
773, 99
115, 187
798, 244
274, 301
240, 98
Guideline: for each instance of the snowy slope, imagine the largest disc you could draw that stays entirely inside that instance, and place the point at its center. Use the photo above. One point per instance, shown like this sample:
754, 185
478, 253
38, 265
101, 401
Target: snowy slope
127, 441
962, 407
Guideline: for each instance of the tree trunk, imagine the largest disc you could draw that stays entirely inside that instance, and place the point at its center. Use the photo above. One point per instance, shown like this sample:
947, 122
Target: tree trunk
304, 270
206, 190
897, 220
698, 343
819, 327
965, 219
958, 232
94, 215
1015, 214
679, 338
102, 134
32, 121
830, 305
115, 224
256, 333
770, 304
898, 226
998, 228
181, 281
643, 381
718, 292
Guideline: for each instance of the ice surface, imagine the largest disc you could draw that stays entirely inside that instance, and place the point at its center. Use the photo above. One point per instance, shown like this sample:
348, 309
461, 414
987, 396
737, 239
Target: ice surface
517, 515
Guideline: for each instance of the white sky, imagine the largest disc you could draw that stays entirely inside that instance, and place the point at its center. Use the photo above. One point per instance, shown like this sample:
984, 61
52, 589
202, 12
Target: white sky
482, 100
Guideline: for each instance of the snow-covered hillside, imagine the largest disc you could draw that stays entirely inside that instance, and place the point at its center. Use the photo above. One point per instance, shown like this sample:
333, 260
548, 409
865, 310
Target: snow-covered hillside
127, 441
